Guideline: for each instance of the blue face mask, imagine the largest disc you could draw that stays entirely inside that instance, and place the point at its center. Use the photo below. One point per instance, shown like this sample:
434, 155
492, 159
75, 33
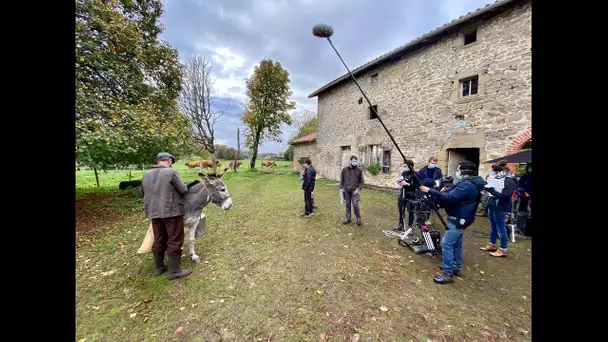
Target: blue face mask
354, 163
529, 170
457, 175
406, 169
432, 166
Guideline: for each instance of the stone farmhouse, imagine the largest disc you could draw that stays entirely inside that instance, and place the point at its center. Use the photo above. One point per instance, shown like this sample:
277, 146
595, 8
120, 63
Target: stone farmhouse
461, 91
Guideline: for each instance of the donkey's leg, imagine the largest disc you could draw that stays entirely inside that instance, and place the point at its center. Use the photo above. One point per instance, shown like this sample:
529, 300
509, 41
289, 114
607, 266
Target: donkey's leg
192, 231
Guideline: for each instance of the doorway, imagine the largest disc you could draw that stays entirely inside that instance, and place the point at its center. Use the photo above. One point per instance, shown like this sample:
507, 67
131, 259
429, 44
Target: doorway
458, 155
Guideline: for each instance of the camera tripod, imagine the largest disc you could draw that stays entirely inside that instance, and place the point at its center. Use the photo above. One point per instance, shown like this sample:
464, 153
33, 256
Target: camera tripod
430, 240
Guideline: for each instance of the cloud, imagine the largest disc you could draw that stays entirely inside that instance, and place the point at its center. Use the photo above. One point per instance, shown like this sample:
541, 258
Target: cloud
235, 35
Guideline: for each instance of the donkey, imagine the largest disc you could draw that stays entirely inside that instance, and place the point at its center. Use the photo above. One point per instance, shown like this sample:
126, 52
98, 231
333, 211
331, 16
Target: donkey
199, 194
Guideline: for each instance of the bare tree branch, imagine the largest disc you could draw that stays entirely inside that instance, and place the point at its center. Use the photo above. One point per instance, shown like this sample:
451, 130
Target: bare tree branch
197, 103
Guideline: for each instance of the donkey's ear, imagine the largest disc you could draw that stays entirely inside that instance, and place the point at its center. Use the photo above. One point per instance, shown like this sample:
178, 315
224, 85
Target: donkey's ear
222, 175
203, 177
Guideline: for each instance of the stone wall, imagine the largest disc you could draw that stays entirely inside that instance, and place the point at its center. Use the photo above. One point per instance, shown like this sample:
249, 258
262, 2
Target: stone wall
304, 150
419, 100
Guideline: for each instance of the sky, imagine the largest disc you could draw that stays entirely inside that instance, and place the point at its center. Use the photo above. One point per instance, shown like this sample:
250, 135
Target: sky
236, 34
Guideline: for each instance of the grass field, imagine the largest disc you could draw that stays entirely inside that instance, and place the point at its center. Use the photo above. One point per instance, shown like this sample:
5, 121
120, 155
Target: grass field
269, 275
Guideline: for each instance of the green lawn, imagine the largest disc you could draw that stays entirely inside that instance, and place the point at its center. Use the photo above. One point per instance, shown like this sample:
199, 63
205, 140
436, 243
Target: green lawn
269, 275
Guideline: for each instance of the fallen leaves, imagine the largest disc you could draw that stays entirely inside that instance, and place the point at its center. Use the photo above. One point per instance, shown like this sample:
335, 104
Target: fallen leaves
383, 308
108, 273
133, 315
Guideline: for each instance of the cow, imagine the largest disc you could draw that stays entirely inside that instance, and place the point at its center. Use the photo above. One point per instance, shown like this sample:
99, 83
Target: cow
238, 164
206, 164
193, 164
269, 164
211, 190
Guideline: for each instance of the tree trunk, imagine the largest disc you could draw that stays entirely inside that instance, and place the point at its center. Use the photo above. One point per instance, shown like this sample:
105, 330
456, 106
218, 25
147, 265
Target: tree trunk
254, 156
129, 174
213, 166
238, 149
96, 176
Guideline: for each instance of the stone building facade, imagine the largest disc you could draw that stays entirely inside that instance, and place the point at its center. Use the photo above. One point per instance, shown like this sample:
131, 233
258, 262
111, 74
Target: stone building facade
304, 148
462, 91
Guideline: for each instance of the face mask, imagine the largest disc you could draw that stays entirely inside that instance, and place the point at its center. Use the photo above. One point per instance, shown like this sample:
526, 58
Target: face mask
406, 169
432, 166
354, 163
457, 175
530, 170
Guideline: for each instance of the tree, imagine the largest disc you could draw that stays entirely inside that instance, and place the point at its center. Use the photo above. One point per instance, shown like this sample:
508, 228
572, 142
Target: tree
197, 103
268, 93
306, 122
289, 153
238, 149
127, 83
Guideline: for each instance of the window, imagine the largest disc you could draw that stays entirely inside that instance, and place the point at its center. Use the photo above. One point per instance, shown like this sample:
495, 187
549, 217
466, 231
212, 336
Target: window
469, 86
386, 161
362, 161
470, 37
345, 154
375, 154
372, 113
374, 78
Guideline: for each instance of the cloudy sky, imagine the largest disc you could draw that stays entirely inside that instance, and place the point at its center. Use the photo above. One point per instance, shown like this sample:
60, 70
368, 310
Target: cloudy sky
236, 34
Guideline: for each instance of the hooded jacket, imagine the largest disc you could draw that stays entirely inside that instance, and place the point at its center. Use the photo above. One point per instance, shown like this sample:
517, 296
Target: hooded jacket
461, 201
501, 201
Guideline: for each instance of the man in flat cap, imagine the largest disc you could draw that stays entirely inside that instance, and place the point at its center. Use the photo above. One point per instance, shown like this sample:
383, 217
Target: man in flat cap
162, 190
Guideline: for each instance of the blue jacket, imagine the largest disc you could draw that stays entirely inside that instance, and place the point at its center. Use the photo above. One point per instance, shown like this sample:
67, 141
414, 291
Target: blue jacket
309, 179
461, 200
429, 176
501, 201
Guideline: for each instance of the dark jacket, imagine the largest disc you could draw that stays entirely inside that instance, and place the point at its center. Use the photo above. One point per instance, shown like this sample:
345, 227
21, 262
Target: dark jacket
162, 190
429, 176
351, 178
525, 183
408, 192
501, 201
461, 200
310, 176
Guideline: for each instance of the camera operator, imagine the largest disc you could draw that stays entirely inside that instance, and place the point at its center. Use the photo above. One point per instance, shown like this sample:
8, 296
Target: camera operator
460, 203
408, 187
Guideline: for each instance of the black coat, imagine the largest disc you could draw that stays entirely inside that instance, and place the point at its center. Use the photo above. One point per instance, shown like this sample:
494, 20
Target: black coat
310, 176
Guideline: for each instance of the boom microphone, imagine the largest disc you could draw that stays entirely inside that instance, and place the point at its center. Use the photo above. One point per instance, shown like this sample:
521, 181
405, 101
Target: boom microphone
325, 31
322, 31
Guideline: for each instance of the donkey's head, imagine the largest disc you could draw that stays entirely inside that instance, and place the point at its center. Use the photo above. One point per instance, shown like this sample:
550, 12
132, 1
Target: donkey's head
217, 190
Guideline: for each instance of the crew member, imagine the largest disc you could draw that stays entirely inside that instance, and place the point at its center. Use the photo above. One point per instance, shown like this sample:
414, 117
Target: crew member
308, 185
408, 187
460, 203
430, 175
351, 181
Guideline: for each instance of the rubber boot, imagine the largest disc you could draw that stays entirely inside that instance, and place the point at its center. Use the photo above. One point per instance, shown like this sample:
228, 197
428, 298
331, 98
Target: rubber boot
159, 264
175, 271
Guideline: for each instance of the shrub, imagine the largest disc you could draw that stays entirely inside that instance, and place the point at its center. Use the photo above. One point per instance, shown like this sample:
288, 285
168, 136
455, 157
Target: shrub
373, 168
